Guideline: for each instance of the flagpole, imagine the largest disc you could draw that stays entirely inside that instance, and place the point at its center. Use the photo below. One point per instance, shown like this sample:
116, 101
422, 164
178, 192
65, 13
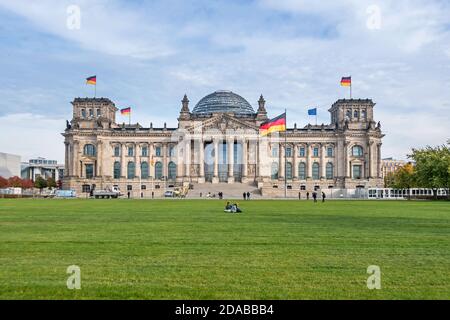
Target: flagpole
95, 89
285, 159
350, 87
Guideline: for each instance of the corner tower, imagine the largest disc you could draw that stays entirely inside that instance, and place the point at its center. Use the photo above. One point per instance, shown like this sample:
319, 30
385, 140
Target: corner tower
91, 113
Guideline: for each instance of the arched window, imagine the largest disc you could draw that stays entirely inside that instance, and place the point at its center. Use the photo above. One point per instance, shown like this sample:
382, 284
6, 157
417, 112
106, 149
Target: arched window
288, 170
356, 114
302, 171
348, 114
274, 170
329, 173
91, 113
99, 113
117, 170
131, 170
83, 113
158, 170
144, 170
315, 171
89, 150
172, 170
357, 151
363, 114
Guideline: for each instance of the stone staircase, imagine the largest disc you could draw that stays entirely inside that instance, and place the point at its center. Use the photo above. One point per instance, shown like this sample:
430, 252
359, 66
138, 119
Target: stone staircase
230, 191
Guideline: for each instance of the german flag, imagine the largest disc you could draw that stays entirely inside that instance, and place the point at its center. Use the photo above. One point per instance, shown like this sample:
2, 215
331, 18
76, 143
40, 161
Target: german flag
273, 125
125, 111
91, 80
346, 81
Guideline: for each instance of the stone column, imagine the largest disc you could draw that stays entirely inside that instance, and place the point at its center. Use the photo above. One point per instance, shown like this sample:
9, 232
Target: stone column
257, 159
294, 162
123, 165
151, 168
66, 159
280, 161
323, 162
379, 175
230, 158
215, 178
372, 164
308, 161
187, 159
165, 169
201, 160
137, 157
76, 164
179, 160
244, 159
347, 162
99, 161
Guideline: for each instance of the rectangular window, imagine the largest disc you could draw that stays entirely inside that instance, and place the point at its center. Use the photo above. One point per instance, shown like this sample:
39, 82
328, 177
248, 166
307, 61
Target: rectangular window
85, 188
91, 113
89, 171
130, 151
143, 187
158, 151
315, 152
329, 152
275, 152
302, 152
357, 171
171, 151
144, 151
129, 187
288, 152
116, 151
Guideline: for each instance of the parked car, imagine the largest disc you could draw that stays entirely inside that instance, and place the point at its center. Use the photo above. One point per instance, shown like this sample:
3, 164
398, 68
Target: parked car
169, 194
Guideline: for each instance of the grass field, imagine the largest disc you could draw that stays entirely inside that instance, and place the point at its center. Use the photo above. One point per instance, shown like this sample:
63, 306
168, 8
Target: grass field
190, 249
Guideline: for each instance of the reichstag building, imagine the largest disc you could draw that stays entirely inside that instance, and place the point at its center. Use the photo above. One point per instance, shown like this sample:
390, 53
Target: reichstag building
218, 141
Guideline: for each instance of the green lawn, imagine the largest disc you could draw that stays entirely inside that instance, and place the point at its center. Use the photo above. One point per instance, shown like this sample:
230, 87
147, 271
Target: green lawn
190, 249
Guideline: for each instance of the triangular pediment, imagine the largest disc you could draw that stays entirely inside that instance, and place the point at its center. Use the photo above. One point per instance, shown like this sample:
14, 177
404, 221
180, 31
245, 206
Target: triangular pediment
222, 122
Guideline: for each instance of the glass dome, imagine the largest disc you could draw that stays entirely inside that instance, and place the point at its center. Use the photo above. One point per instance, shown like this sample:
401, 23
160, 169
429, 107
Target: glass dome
223, 101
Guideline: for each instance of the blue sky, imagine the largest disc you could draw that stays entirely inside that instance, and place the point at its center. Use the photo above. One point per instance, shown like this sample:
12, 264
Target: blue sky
148, 54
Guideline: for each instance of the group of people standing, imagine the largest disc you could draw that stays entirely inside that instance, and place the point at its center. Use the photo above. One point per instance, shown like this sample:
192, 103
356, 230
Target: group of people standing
314, 195
246, 195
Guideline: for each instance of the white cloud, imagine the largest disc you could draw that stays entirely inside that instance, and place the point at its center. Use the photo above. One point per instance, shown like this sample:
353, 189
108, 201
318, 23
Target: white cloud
31, 136
106, 26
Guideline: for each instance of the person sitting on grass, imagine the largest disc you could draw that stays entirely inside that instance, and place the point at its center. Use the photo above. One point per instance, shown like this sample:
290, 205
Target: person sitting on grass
228, 207
235, 208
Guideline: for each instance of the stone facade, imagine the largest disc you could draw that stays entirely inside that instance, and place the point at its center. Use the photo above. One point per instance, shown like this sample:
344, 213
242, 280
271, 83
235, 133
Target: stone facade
219, 142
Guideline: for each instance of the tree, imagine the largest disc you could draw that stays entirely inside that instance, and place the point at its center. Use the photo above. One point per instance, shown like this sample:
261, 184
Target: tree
3, 183
51, 183
40, 183
389, 180
15, 182
404, 177
433, 167
27, 184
